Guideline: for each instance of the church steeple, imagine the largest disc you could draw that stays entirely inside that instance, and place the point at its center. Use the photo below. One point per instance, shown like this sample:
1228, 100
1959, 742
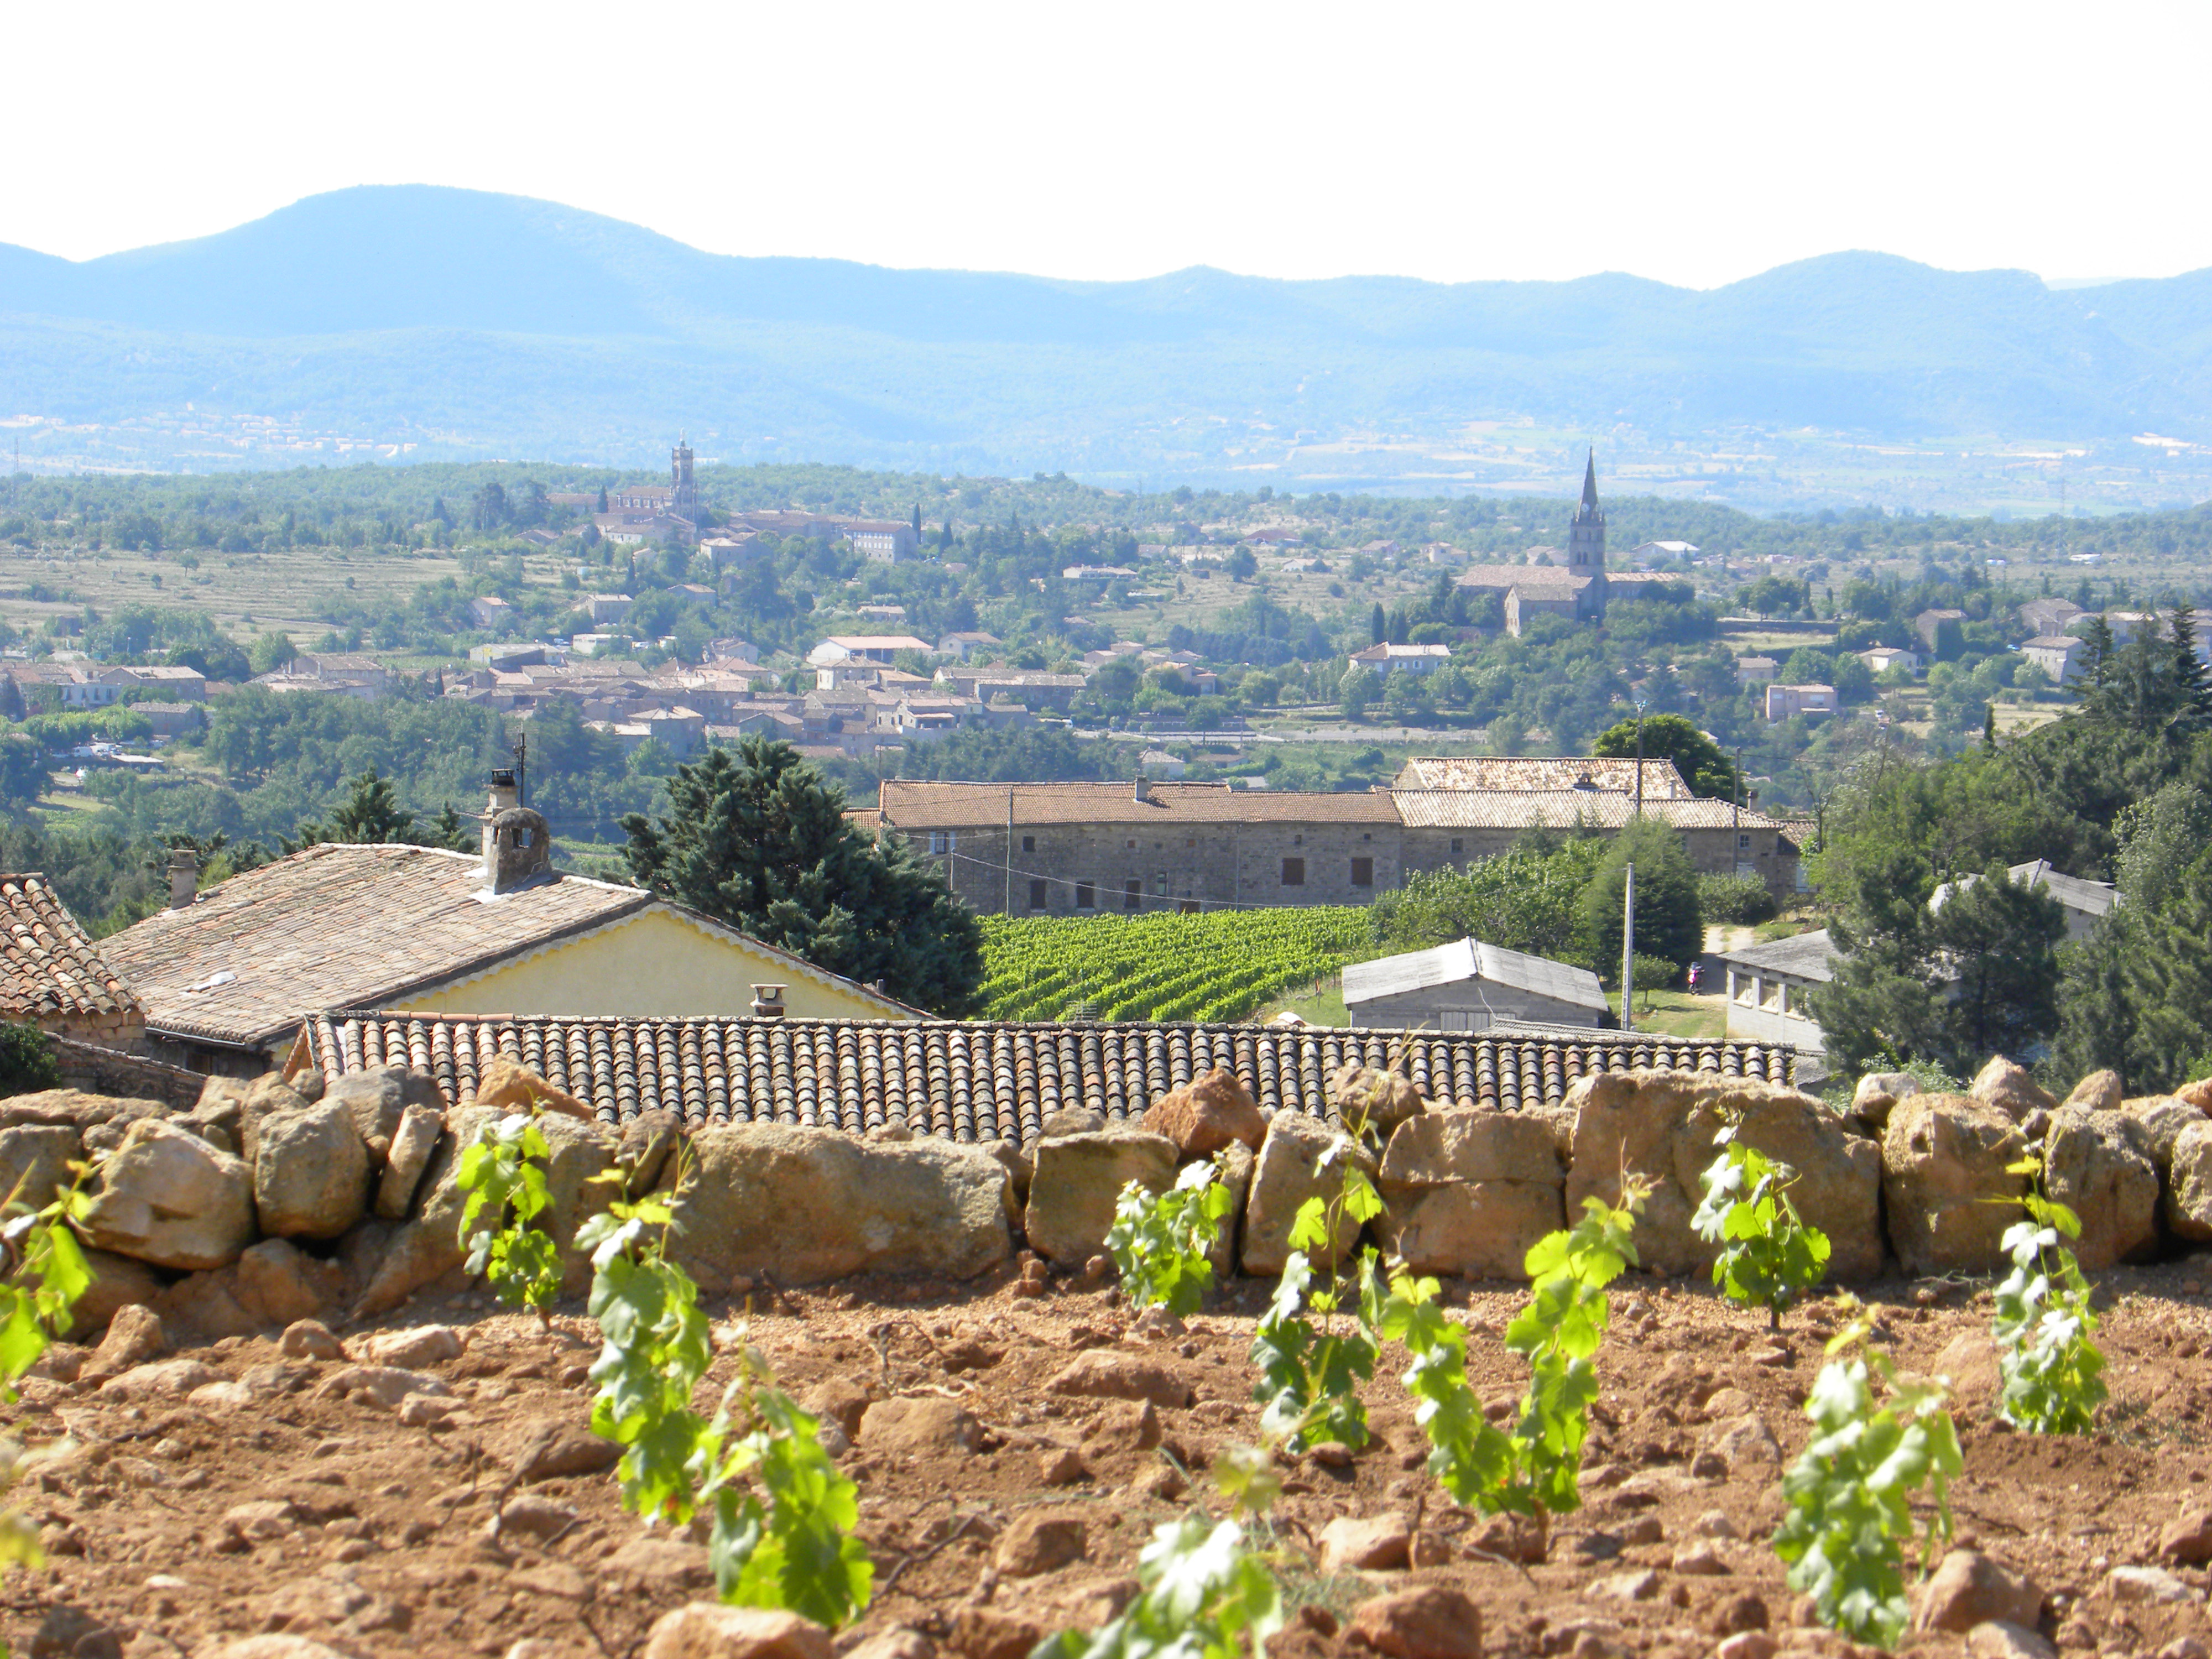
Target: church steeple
1586, 546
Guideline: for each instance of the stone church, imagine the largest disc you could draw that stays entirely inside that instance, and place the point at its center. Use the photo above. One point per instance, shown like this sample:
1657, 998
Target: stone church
1578, 592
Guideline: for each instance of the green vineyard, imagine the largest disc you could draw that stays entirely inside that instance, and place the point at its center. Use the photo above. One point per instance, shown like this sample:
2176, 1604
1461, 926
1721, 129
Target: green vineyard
1210, 967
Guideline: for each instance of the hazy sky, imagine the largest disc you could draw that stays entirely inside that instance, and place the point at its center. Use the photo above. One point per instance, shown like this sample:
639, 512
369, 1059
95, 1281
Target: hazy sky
1695, 142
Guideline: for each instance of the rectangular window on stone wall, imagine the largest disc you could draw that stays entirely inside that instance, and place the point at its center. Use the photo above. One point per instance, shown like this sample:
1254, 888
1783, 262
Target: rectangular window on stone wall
1363, 873
1133, 892
1086, 897
1037, 896
940, 840
1029, 843
1294, 872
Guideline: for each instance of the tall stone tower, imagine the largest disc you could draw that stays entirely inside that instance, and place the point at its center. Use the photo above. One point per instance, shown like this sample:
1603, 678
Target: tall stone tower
1586, 547
684, 503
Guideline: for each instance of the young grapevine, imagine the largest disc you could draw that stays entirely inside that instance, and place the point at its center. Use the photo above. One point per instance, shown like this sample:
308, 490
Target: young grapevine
1159, 1240
1850, 1495
1204, 1597
503, 1173
2052, 1375
1768, 1257
1309, 1373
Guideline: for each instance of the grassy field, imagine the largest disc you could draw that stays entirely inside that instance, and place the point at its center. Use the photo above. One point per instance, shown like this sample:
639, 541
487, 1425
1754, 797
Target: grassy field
1677, 1013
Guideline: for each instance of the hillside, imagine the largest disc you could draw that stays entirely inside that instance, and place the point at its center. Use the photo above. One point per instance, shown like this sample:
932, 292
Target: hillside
467, 325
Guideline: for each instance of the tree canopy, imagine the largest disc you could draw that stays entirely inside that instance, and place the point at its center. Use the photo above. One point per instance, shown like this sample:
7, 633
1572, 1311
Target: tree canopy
757, 837
1708, 771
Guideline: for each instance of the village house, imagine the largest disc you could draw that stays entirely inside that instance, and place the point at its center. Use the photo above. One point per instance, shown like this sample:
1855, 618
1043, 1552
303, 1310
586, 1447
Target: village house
53, 977
962, 645
1469, 986
1415, 660
1881, 658
2056, 655
1756, 671
491, 612
2048, 616
226, 976
1784, 701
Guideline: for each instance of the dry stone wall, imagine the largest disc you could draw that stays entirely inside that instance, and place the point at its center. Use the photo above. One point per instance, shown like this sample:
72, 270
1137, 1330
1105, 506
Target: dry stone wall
264, 1202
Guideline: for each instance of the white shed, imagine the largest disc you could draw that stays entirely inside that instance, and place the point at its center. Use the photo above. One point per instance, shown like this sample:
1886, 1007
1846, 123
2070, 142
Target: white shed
1468, 986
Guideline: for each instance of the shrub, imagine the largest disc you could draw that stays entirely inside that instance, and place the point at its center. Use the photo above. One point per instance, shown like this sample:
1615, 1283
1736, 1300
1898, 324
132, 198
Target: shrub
1735, 901
27, 1059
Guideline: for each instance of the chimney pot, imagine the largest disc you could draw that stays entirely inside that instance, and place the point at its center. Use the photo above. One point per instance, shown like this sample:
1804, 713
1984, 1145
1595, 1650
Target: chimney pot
768, 1001
184, 878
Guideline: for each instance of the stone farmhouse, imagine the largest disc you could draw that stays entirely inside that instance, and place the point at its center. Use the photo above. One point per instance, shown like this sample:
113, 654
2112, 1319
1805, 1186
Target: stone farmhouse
225, 976
1084, 848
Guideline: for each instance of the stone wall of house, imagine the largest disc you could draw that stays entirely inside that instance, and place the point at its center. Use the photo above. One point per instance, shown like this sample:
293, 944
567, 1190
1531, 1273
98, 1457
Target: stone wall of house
1714, 852
1055, 868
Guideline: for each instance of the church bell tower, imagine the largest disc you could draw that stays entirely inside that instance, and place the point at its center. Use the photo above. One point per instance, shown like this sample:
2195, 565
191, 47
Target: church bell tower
1586, 546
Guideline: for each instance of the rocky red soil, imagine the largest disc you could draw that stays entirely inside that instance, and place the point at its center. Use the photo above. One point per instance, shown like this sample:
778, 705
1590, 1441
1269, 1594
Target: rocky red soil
997, 1508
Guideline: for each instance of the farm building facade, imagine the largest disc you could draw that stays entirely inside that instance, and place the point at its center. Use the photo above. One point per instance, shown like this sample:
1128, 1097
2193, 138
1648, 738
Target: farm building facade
1087, 848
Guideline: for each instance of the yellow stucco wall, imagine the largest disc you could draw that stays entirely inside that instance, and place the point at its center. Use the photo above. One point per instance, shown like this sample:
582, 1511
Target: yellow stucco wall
653, 965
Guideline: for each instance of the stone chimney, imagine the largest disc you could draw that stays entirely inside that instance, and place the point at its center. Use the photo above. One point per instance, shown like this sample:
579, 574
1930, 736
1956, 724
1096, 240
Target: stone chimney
184, 878
505, 797
768, 1002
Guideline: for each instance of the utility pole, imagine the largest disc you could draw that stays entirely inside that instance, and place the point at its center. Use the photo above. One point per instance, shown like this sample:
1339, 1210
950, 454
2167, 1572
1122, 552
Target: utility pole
1009, 909
1628, 948
1639, 759
1735, 812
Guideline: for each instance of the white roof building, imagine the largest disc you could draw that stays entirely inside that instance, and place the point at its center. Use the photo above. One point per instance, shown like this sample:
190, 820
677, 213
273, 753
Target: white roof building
1469, 986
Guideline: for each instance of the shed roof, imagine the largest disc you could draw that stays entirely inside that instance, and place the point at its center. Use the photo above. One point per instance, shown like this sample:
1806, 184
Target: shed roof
984, 1079
1467, 960
2091, 898
49, 966
908, 804
1805, 956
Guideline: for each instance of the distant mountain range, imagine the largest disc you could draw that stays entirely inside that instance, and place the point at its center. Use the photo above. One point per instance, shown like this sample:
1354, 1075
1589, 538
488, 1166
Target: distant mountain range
472, 324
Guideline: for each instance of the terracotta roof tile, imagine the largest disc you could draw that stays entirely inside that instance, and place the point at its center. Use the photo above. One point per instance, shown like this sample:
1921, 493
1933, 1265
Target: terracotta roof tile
339, 924
985, 1079
911, 806
49, 966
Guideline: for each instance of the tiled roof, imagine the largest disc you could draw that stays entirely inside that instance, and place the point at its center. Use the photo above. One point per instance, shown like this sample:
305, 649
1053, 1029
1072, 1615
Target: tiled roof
340, 924
986, 1079
911, 806
49, 966
1661, 779
1562, 809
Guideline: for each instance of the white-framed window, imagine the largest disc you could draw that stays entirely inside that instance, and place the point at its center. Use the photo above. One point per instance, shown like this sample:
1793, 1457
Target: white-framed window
940, 840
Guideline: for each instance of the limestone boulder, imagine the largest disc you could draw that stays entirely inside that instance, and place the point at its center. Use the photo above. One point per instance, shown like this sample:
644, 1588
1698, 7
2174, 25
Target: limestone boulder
118, 1282
409, 1155
1663, 1124
1944, 1158
2006, 1084
1470, 1192
427, 1247
277, 1283
2099, 1165
581, 1151
1076, 1181
76, 1109
1382, 1099
1233, 1167
34, 1160
2100, 1091
375, 1097
1877, 1093
2158, 1121
2197, 1094
808, 1205
1301, 1158
267, 1096
170, 1198
1208, 1113
509, 1084
2189, 1184
311, 1171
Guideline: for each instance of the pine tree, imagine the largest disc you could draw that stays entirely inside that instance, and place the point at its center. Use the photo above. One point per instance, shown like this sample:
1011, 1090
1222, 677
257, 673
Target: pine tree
2192, 684
757, 837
